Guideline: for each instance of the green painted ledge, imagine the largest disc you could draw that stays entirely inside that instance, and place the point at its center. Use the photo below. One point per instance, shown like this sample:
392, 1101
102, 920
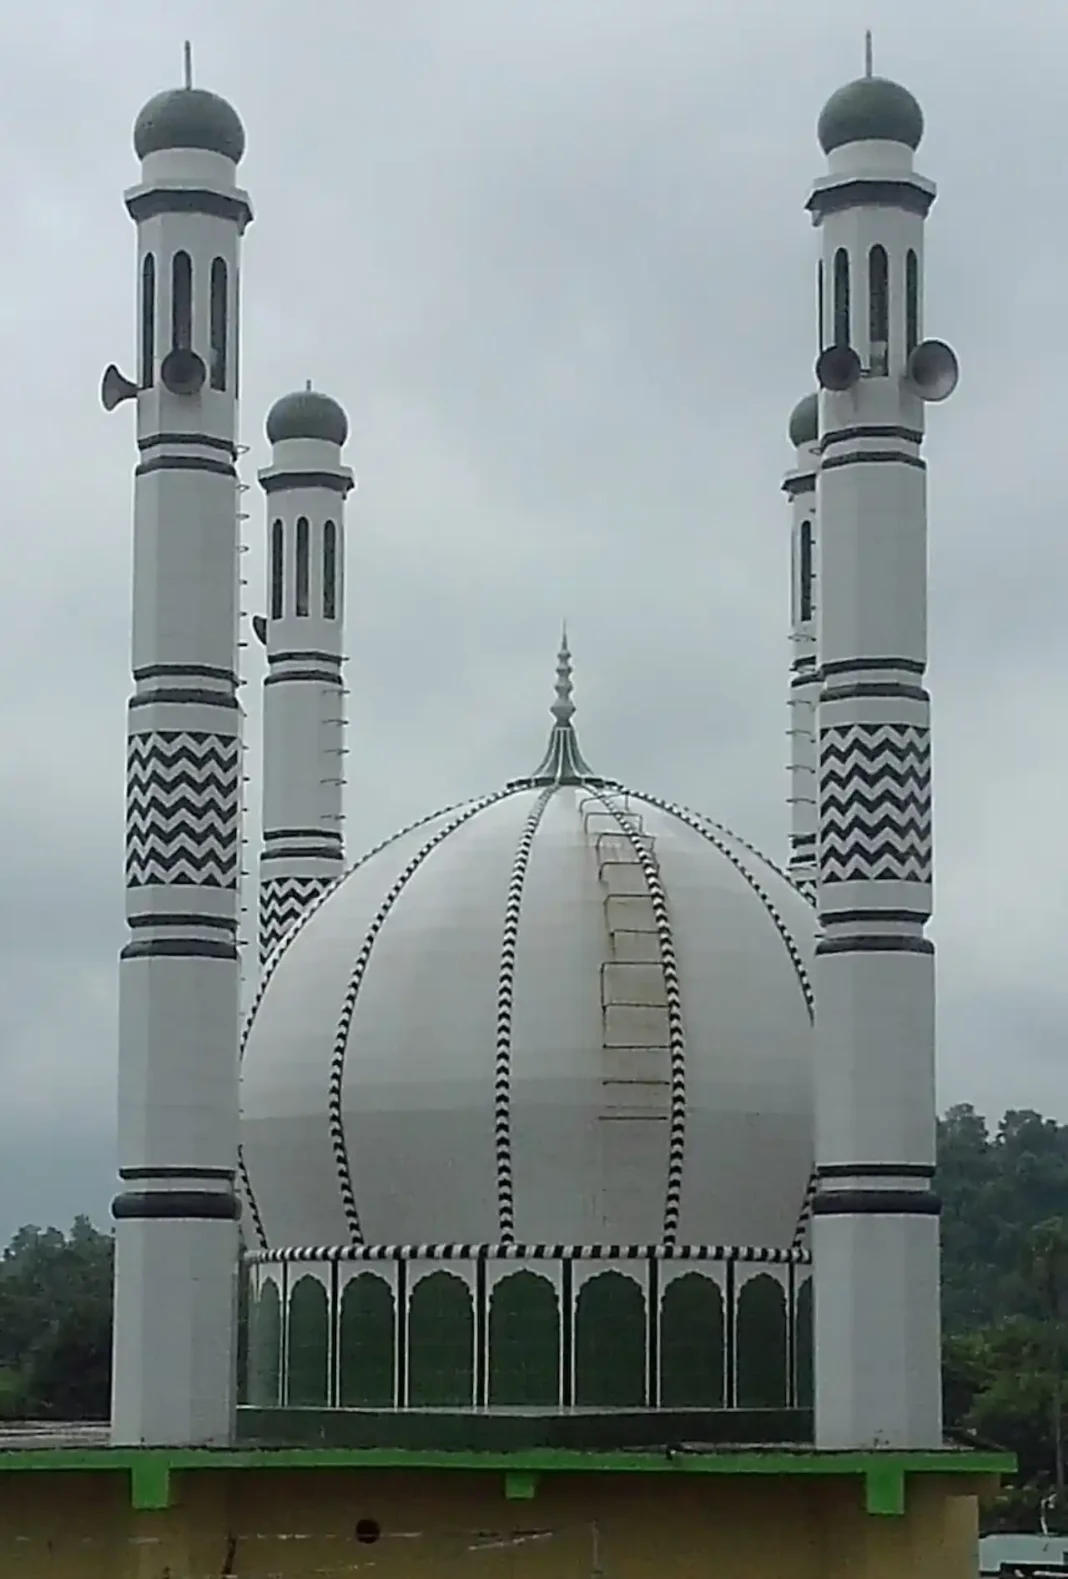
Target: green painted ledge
884, 1473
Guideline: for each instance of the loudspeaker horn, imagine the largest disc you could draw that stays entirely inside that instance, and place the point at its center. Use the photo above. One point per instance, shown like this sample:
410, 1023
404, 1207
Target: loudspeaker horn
838, 368
183, 371
259, 627
115, 387
932, 370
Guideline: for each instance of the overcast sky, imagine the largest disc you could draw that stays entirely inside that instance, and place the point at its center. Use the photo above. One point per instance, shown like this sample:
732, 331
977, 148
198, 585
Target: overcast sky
553, 257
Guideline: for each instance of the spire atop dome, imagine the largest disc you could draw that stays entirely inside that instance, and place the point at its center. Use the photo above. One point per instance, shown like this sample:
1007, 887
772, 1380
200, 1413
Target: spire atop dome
563, 762
868, 66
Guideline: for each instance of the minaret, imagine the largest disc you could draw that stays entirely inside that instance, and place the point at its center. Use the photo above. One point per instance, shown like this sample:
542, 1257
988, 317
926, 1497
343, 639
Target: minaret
303, 632
176, 1217
875, 1214
799, 487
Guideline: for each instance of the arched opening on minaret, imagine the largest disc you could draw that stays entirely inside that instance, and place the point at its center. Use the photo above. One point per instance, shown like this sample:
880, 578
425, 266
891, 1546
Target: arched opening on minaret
841, 297
805, 571
821, 314
330, 570
878, 310
219, 316
303, 568
148, 321
912, 302
278, 559
181, 302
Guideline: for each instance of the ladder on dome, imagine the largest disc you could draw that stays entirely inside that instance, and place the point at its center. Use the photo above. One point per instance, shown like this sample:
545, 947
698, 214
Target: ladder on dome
635, 1105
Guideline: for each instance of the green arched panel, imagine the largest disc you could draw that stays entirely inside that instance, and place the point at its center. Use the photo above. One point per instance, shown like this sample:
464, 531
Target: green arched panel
441, 1343
761, 1344
309, 1328
524, 1342
367, 1343
265, 1346
803, 1346
691, 1344
610, 1343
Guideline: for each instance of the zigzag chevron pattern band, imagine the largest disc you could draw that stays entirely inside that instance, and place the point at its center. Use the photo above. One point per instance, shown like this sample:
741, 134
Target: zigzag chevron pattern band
766, 1255
183, 799
283, 900
875, 803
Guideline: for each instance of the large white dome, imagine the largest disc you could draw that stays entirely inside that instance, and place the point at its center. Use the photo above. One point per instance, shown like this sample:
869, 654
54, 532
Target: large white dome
561, 1014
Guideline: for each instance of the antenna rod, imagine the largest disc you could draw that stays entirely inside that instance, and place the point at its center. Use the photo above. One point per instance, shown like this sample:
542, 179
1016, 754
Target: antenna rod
867, 53
187, 53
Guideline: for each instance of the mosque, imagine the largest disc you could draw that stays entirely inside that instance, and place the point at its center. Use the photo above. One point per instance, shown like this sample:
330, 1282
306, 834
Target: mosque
577, 1158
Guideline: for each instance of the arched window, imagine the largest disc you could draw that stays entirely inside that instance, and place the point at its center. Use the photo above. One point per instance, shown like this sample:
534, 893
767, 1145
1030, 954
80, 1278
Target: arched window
148, 321
691, 1344
367, 1344
878, 309
803, 1346
181, 301
218, 324
912, 302
265, 1347
761, 1344
303, 565
841, 297
805, 570
441, 1344
329, 571
610, 1343
821, 314
524, 1343
278, 560
309, 1343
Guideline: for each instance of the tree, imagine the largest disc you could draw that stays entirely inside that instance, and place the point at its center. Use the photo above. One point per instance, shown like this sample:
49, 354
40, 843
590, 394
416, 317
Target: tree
1046, 1264
55, 1323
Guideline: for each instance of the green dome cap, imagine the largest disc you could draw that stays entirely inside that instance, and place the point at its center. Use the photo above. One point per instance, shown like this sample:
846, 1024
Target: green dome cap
805, 421
872, 109
307, 414
189, 118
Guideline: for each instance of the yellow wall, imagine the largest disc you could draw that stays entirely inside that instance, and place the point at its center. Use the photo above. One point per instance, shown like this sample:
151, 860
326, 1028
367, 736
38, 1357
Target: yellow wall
300, 1524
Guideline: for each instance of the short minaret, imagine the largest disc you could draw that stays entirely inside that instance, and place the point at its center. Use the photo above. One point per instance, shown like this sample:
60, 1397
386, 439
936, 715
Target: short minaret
176, 1218
875, 1215
303, 632
799, 487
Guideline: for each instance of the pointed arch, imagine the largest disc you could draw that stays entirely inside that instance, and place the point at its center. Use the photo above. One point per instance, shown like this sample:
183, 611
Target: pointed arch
524, 1342
841, 297
181, 302
220, 330
761, 1344
278, 564
803, 1353
610, 1343
309, 1342
367, 1343
329, 570
148, 321
691, 1343
441, 1343
265, 1346
303, 591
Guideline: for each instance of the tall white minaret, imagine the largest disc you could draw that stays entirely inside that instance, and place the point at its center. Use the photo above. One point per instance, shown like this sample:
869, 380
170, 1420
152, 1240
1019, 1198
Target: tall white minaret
303, 632
176, 1215
875, 1215
799, 486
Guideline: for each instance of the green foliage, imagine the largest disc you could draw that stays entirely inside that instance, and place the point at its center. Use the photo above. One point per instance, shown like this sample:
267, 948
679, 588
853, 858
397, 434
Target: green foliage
55, 1324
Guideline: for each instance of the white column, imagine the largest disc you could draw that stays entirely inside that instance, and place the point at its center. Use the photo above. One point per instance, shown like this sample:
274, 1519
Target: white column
875, 1216
303, 631
799, 485
176, 1215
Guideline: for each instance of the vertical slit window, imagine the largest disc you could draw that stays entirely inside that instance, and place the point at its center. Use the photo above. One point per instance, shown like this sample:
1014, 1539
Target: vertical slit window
878, 309
303, 566
218, 324
330, 571
148, 321
805, 570
278, 560
181, 302
820, 311
841, 297
912, 302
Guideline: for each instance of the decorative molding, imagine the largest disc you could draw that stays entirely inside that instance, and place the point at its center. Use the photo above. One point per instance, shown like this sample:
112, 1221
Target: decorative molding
282, 902
183, 805
502, 1074
875, 803
771, 1255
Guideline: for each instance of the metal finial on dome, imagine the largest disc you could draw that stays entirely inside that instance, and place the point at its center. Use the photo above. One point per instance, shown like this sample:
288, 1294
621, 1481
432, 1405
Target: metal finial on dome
187, 61
563, 762
868, 67
307, 383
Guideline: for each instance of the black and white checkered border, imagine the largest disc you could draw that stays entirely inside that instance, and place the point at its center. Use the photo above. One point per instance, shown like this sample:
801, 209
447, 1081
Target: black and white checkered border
762, 1255
335, 1118
271, 965
673, 998
502, 1073
804, 1217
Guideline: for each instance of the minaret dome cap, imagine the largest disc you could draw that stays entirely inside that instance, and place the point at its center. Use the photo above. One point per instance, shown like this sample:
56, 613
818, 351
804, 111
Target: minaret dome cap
872, 109
805, 421
189, 118
307, 414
